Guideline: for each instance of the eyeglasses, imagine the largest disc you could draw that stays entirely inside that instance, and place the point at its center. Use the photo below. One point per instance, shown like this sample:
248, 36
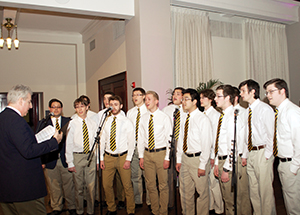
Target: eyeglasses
270, 92
136, 95
55, 107
186, 99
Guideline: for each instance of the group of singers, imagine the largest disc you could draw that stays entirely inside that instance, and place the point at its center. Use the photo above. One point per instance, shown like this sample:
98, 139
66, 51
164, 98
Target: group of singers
138, 144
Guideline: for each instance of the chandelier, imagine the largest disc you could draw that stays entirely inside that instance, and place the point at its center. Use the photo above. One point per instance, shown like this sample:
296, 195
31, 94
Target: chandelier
9, 27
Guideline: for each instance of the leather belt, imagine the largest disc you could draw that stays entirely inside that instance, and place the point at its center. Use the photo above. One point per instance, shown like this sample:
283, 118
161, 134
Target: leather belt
285, 159
257, 147
193, 154
222, 157
155, 150
81, 152
116, 155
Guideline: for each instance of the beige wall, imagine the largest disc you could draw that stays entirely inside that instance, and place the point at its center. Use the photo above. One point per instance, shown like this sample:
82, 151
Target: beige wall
50, 67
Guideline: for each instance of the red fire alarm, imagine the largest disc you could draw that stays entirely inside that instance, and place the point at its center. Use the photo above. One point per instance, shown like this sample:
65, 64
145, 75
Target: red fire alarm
133, 84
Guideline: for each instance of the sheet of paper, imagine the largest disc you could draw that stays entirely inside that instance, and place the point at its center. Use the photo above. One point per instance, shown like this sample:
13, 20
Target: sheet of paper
45, 134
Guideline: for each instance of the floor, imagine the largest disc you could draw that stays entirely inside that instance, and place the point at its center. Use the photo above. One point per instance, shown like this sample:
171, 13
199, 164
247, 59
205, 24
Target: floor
145, 211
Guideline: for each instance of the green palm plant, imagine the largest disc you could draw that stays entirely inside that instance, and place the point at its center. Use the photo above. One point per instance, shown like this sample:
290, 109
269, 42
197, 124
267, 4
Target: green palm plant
208, 85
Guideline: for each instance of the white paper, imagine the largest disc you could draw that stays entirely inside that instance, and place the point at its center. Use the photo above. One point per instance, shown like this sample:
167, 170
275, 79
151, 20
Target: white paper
45, 134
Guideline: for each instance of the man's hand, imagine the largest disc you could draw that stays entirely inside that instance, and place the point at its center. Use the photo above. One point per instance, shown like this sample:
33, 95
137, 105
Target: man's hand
102, 166
216, 171
166, 164
225, 177
43, 166
201, 172
72, 169
178, 166
244, 161
126, 165
58, 136
212, 163
142, 163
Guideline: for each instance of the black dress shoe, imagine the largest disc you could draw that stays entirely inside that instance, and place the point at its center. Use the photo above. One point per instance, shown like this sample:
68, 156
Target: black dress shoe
149, 206
111, 212
138, 205
56, 212
104, 205
121, 205
72, 212
96, 204
131, 214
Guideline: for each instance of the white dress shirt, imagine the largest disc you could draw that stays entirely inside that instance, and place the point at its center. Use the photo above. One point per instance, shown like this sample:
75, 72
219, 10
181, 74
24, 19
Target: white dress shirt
99, 117
288, 133
162, 132
53, 119
262, 124
242, 121
124, 137
199, 138
169, 110
74, 141
213, 116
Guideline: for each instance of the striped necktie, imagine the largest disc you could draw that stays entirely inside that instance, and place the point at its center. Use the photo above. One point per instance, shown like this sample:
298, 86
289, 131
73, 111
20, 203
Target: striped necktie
177, 125
137, 123
151, 143
275, 149
86, 141
186, 128
57, 124
250, 146
218, 133
113, 135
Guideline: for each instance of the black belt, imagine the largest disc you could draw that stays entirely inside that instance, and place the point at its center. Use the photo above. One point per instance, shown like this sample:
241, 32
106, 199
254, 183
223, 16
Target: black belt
81, 152
116, 155
222, 157
257, 147
241, 154
192, 154
285, 159
155, 150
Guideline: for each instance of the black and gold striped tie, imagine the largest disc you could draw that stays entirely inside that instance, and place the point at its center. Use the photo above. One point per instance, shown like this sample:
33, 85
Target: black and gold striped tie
113, 135
137, 123
186, 128
86, 141
151, 143
250, 146
57, 124
177, 125
218, 133
275, 149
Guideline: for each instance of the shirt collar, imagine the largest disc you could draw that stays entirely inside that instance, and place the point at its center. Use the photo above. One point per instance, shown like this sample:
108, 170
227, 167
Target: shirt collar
15, 110
227, 110
283, 104
254, 104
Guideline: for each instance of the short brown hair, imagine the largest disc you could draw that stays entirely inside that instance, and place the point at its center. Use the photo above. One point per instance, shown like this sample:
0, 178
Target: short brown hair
117, 98
155, 95
80, 100
228, 90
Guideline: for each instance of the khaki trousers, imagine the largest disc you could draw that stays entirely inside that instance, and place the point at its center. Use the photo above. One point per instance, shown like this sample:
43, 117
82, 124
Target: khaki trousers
87, 174
216, 201
243, 200
189, 180
33, 207
113, 164
153, 165
290, 187
260, 175
137, 181
61, 185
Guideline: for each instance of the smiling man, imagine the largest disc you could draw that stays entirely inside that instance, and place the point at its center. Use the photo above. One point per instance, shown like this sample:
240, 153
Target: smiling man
116, 150
286, 142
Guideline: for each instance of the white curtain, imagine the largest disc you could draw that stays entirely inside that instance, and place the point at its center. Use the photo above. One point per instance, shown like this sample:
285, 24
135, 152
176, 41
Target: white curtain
266, 51
192, 47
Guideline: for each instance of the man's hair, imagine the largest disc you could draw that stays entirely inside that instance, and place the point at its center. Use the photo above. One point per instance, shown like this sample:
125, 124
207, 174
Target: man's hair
279, 84
80, 100
178, 88
237, 93
252, 85
117, 98
139, 89
109, 93
55, 100
194, 95
210, 94
155, 95
17, 92
86, 98
228, 90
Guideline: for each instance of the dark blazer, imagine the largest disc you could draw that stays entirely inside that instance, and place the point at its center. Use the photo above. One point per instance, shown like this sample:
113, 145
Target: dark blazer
50, 159
21, 173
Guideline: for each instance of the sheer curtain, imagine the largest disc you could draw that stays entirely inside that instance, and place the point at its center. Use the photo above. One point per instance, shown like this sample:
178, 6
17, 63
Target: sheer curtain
192, 47
266, 51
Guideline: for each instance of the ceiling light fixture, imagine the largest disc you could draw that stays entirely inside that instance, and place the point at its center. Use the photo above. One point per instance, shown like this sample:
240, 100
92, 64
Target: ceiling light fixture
9, 27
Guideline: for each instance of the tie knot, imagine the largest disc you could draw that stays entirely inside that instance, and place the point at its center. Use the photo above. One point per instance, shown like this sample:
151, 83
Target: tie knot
276, 110
188, 116
138, 109
151, 116
83, 121
115, 118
